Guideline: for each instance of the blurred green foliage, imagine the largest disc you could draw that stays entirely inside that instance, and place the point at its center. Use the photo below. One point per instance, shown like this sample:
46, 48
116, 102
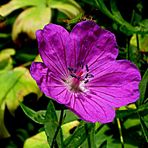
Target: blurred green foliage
38, 119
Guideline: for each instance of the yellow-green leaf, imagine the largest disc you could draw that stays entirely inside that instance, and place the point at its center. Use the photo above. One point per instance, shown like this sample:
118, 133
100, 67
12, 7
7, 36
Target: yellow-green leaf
17, 4
30, 20
37, 141
143, 42
14, 85
69, 7
5, 59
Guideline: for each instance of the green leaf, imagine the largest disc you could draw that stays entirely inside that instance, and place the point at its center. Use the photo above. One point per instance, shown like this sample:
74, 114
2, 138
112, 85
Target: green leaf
143, 88
30, 20
15, 84
3, 131
69, 7
51, 125
142, 109
79, 136
115, 15
1, 18
37, 14
144, 128
17, 4
143, 42
38, 117
5, 59
69, 126
37, 141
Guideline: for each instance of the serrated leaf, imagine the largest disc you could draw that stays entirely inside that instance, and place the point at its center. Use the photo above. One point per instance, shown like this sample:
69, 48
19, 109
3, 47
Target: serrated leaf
51, 125
37, 141
38, 117
30, 20
79, 136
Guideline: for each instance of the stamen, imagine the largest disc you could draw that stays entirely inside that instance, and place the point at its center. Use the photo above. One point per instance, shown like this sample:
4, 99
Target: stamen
70, 69
81, 64
86, 81
87, 68
90, 75
86, 75
73, 75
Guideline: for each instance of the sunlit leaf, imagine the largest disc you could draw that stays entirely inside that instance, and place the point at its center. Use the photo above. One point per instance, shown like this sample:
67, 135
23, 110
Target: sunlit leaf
38, 117
16, 4
3, 131
143, 42
30, 20
51, 124
66, 128
69, 7
37, 13
37, 141
14, 85
5, 59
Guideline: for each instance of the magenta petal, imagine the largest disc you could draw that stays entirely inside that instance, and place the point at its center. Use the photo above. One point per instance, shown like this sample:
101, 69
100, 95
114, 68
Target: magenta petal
52, 47
49, 84
116, 83
91, 44
90, 109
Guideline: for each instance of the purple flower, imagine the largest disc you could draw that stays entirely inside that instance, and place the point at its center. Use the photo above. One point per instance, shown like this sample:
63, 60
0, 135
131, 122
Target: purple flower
80, 70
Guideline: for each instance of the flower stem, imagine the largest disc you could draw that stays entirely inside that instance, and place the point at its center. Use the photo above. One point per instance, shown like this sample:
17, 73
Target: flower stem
58, 128
120, 132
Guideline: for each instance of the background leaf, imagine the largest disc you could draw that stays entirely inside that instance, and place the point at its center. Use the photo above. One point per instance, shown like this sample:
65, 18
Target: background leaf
15, 84
37, 141
38, 117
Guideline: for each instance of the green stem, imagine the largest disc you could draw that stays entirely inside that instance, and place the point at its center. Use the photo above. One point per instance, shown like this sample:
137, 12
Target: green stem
58, 128
120, 132
4, 35
128, 48
137, 40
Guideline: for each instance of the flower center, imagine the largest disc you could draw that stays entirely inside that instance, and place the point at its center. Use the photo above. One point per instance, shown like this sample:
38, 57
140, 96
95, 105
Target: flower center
78, 78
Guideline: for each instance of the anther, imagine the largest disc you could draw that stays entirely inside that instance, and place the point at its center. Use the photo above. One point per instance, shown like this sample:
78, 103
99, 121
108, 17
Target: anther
70, 69
81, 64
87, 68
90, 75
86, 81
86, 75
73, 75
